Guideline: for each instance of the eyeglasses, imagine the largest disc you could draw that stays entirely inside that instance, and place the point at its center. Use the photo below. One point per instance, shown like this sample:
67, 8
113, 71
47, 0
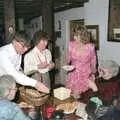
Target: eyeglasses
23, 45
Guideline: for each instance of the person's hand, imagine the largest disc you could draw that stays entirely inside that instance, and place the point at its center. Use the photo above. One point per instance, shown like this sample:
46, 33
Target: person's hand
42, 65
92, 77
105, 73
51, 66
101, 72
41, 87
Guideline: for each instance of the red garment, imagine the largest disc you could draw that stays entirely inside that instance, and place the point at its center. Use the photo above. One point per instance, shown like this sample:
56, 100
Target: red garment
108, 90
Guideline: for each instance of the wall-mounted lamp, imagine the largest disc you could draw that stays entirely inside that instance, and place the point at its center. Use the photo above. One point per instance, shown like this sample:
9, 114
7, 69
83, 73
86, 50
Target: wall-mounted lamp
11, 29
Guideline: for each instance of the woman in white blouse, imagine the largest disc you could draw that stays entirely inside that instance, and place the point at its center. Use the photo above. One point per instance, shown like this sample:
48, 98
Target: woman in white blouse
38, 61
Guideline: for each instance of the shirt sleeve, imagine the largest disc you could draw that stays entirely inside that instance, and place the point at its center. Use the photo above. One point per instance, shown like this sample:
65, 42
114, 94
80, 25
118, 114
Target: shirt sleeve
9, 68
48, 55
29, 64
93, 59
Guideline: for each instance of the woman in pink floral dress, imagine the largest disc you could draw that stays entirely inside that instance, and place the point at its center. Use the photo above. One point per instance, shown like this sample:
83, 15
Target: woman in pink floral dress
81, 54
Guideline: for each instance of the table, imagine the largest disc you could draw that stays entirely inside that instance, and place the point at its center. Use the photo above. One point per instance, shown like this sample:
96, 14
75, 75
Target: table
52, 103
35, 112
40, 112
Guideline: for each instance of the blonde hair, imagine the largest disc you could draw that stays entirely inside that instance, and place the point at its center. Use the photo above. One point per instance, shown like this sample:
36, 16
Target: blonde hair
81, 31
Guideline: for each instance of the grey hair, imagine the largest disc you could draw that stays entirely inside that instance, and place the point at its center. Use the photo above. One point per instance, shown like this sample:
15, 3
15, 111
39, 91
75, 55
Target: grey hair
6, 82
22, 37
110, 64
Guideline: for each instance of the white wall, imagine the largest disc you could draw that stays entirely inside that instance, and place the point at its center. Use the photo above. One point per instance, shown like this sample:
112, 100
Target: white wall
33, 26
94, 12
64, 17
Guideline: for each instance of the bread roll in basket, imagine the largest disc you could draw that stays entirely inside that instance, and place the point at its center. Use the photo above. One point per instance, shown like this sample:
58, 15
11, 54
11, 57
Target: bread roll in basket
32, 96
62, 93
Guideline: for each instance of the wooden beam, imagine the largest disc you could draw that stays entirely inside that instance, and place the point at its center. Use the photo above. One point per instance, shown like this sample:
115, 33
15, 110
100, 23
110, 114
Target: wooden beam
9, 19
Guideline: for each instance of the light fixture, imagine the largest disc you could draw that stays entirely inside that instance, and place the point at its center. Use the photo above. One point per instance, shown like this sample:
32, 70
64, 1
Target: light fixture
11, 29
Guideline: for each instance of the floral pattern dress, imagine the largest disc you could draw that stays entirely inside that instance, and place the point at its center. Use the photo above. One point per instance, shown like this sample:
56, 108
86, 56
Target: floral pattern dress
77, 80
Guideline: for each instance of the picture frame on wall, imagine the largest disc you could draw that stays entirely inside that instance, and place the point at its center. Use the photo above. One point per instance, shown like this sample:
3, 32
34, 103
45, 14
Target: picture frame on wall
94, 34
114, 21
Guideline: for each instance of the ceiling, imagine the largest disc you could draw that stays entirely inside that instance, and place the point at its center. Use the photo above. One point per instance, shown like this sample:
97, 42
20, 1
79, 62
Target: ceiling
28, 9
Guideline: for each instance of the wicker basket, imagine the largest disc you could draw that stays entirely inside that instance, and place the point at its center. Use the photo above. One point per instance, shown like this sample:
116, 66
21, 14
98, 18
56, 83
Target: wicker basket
35, 101
68, 100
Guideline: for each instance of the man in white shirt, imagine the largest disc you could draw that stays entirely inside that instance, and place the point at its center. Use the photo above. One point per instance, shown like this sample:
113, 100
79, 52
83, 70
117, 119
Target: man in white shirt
10, 61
